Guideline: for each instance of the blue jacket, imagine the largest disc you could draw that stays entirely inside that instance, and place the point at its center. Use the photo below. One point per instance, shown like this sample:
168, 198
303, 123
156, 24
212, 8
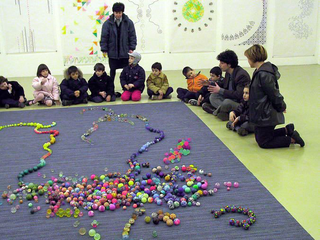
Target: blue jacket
109, 34
135, 75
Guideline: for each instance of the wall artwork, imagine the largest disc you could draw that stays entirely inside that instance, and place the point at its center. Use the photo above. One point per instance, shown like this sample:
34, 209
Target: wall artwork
192, 26
28, 26
298, 20
81, 23
244, 22
149, 19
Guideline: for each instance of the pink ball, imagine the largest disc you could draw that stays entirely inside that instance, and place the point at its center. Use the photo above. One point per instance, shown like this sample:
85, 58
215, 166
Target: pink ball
229, 184
204, 186
228, 188
236, 184
215, 190
112, 207
91, 213
176, 221
198, 179
95, 206
217, 185
92, 176
102, 208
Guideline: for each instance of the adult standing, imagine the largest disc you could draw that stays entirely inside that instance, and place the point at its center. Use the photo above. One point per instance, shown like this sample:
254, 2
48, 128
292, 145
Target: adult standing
118, 38
226, 96
266, 104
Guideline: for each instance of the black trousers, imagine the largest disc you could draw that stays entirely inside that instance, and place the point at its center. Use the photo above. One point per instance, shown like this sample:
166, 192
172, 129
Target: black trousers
75, 100
268, 137
168, 92
185, 94
115, 64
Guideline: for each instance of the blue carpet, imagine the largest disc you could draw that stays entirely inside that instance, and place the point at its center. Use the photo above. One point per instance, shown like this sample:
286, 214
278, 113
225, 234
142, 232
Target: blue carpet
114, 142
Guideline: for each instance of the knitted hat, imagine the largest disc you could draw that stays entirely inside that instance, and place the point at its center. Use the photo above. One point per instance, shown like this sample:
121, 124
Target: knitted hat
137, 57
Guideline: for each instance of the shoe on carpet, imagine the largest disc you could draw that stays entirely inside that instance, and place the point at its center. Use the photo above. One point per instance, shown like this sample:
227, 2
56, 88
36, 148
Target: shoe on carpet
242, 131
290, 129
21, 105
207, 107
298, 140
193, 102
155, 97
7, 106
66, 102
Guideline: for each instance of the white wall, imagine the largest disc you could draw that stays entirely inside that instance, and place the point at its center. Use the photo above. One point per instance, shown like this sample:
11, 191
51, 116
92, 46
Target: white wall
18, 65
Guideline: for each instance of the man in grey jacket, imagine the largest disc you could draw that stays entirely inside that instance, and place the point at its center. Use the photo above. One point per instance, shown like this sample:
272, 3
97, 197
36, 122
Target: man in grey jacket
118, 38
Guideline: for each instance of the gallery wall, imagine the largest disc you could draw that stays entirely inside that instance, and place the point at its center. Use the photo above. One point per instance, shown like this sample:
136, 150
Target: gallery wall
176, 33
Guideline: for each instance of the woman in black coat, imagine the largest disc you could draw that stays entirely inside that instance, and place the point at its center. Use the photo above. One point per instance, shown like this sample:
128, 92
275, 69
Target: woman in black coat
266, 104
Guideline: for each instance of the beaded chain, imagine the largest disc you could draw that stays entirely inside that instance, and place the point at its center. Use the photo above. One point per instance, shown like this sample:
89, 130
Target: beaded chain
245, 224
42, 163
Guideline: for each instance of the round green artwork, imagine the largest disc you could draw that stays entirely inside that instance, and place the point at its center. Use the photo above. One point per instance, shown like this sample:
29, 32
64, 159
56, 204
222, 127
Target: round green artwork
193, 10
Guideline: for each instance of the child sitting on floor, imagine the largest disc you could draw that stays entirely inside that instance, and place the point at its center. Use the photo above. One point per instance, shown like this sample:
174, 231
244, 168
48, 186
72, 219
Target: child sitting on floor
132, 78
46, 87
157, 83
101, 85
194, 81
11, 94
74, 87
239, 118
203, 94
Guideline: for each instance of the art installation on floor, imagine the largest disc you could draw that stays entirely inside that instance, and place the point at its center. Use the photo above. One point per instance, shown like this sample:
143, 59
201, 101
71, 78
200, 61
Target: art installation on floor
177, 176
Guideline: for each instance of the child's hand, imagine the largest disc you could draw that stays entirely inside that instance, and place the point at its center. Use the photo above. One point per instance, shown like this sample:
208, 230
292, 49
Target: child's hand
232, 116
21, 99
77, 93
203, 82
131, 85
103, 94
43, 81
126, 87
235, 122
108, 98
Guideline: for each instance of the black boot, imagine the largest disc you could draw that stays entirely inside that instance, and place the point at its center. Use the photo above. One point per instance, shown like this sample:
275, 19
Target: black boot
298, 140
290, 129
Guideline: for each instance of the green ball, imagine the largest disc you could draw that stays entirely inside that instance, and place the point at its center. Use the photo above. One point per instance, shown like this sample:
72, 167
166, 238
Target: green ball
29, 197
92, 232
187, 190
147, 219
50, 182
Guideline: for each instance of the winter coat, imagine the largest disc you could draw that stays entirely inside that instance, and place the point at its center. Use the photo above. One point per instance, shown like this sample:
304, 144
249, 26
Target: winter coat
156, 83
193, 83
242, 111
266, 104
135, 75
68, 85
17, 91
240, 79
109, 35
101, 84
49, 88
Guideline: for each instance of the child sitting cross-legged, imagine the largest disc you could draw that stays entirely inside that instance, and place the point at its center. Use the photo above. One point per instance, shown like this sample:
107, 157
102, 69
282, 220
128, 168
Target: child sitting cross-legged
239, 118
157, 83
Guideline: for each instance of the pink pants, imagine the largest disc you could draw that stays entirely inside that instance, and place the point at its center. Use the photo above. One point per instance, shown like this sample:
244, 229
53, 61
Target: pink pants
135, 95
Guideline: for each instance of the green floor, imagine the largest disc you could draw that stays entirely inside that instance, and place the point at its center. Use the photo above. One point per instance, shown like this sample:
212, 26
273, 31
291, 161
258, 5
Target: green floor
289, 174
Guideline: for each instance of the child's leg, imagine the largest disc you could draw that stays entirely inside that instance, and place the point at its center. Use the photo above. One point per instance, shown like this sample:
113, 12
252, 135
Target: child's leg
83, 98
9, 102
267, 137
190, 95
181, 93
113, 98
38, 98
150, 93
168, 92
126, 95
136, 95
96, 99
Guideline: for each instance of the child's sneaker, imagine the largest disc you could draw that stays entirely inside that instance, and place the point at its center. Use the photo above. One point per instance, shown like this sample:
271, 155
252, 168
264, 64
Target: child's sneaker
85, 100
229, 125
169, 96
118, 95
207, 107
193, 102
66, 102
154, 97
242, 131
21, 105
7, 106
